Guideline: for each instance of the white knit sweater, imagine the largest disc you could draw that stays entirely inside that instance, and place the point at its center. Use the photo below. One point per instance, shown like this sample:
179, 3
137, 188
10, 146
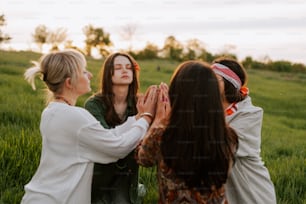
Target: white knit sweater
72, 140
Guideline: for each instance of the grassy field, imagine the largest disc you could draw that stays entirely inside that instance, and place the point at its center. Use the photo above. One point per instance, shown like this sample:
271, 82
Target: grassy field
281, 95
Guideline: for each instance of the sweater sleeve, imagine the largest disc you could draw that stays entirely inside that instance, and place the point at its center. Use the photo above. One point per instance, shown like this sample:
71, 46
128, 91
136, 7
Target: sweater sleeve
102, 145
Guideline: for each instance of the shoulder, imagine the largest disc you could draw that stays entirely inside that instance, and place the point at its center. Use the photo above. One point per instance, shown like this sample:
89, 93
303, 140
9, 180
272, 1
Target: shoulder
246, 106
94, 102
75, 115
81, 113
246, 113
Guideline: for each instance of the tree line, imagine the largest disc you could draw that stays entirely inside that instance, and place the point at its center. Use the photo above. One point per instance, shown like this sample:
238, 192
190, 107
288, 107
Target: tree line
97, 38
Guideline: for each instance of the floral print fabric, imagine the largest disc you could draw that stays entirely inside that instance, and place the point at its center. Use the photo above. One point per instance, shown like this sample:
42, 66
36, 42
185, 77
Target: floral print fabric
172, 189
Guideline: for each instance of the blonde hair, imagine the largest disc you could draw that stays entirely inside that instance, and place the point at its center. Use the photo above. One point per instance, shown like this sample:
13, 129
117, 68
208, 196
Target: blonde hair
55, 67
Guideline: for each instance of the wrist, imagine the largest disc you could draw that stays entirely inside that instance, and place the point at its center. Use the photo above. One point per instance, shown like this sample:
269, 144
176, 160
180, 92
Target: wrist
147, 116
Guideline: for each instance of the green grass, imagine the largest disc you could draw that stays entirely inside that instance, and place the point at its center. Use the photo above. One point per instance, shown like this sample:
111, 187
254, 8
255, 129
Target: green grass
281, 95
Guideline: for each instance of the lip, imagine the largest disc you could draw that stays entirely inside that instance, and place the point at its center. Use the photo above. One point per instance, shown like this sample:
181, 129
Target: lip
125, 76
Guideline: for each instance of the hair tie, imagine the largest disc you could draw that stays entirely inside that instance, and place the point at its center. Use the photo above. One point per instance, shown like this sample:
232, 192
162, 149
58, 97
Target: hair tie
44, 76
231, 109
244, 91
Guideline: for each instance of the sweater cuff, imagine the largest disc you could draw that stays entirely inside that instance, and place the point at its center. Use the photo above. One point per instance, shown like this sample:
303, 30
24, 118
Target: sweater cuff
142, 123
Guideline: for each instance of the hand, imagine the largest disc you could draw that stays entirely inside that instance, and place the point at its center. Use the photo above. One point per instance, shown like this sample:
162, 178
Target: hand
163, 106
147, 103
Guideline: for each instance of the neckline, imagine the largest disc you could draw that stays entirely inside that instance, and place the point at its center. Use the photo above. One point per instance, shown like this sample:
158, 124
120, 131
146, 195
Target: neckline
63, 99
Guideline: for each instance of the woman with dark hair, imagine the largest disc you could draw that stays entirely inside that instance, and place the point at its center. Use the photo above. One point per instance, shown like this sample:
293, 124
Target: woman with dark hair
194, 149
114, 102
249, 181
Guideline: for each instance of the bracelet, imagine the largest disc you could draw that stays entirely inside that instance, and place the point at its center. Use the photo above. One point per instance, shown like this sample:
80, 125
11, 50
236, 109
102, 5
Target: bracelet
147, 114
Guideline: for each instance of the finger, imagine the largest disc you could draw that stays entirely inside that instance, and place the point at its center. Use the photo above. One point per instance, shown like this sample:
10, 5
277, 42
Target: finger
164, 86
164, 95
153, 93
139, 95
147, 94
141, 99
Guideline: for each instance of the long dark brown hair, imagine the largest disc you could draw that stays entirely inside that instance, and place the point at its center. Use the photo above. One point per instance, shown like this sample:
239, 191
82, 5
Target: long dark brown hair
106, 94
231, 93
197, 144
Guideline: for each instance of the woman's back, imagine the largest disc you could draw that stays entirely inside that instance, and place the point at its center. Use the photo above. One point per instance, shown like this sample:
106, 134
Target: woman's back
194, 151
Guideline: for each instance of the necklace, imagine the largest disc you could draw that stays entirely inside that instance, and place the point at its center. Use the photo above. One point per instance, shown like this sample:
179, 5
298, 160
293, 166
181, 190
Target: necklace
63, 99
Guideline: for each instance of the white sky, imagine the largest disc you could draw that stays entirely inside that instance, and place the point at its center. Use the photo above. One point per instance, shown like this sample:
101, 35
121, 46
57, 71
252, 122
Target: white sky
257, 28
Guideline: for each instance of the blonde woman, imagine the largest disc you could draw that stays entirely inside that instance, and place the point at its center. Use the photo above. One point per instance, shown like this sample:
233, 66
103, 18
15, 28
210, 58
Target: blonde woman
72, 139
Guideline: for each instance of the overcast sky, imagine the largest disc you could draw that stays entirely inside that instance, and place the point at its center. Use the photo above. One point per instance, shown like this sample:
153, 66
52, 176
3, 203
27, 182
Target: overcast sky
257, 28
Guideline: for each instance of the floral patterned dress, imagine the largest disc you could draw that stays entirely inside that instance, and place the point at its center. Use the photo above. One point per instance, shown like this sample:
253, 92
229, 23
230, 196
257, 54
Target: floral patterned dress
172, 189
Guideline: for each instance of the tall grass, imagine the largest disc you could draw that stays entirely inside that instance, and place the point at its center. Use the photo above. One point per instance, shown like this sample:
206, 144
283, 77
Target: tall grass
281, 95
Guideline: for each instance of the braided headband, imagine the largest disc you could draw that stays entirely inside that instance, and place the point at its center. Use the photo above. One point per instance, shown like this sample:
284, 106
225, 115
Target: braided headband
227, 74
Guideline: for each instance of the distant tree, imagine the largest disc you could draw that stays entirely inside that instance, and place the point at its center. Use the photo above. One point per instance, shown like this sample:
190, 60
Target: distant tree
89, 32
149, 52
299, 67
4, 38
247, 62
194, 50
69, 45
57, 37
96, 38
265, 59
40, 36
207, 56
227, 55
281, 66
127, 33
173, 49
254, 64
227, 51
190, 54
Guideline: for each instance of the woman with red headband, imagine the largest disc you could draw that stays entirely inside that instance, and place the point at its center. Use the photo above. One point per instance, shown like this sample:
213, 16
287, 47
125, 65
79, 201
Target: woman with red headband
249, 181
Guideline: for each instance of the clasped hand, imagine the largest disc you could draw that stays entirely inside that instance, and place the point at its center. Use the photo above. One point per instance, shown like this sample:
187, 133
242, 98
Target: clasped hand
154, 106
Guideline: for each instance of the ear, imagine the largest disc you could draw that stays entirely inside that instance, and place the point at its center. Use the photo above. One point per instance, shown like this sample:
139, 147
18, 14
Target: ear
68, 83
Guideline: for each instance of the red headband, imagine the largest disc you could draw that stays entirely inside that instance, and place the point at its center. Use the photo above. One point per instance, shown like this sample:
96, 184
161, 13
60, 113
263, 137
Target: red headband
227, 74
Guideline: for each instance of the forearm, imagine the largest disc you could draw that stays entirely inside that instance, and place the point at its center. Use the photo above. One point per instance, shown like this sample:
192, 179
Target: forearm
148, 150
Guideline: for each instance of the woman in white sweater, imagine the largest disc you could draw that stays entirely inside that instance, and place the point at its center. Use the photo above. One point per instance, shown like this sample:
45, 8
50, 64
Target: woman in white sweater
72, 139
249, 181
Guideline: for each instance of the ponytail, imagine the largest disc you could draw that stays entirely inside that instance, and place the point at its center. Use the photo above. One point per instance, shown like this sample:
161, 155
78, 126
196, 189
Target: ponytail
31, 73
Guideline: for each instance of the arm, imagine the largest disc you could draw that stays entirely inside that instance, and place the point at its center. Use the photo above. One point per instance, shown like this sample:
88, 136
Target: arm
148, 152
102, 145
